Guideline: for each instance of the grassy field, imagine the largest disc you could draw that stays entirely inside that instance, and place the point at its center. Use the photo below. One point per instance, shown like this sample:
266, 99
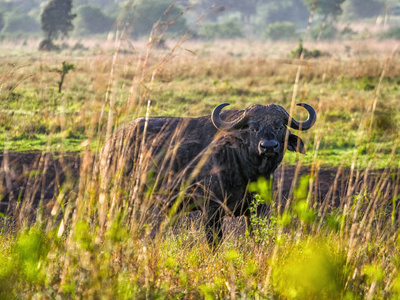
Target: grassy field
346, 87
312, 249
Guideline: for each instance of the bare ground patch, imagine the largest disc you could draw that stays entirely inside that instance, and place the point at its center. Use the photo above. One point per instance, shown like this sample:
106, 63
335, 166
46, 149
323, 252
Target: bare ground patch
28, 178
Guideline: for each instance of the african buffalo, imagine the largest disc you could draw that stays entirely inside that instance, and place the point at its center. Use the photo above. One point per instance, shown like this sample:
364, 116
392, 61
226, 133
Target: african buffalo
202, 163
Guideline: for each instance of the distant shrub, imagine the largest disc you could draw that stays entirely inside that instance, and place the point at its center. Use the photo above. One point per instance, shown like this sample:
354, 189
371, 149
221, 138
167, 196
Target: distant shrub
79, 46
347, 33
159, 43
225, 30
48, 45
281, 31
296, 53
347, 30
64, 46
21, 23
92, 20
393, 33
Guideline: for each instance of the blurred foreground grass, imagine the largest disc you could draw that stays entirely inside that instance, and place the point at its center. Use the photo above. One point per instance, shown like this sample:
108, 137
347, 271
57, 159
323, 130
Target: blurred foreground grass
298, 255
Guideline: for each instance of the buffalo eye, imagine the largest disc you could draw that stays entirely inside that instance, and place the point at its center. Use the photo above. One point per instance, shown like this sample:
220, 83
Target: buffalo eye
278, 125
254, 126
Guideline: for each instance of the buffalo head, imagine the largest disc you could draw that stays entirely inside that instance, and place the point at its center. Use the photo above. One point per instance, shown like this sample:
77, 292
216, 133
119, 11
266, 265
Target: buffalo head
264, 131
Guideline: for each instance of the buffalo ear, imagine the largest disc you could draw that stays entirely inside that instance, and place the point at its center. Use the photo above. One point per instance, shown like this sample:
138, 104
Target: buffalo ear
295, 144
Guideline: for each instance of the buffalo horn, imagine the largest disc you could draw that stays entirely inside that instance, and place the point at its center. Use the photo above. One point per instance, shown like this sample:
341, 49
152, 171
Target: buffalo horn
222, 125
307, 124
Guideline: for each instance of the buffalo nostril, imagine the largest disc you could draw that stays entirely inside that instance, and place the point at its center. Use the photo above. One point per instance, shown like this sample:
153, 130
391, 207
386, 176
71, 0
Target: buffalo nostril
269, 146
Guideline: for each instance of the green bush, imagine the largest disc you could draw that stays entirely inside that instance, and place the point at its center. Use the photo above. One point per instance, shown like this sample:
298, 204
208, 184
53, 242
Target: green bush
92, 20
226, 30
281, 31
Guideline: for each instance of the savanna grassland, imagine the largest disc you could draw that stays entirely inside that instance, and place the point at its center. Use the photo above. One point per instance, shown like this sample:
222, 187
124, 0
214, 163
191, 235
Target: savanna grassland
324, 237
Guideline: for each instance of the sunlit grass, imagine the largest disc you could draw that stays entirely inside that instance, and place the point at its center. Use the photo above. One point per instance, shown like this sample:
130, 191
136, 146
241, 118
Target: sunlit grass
31, 108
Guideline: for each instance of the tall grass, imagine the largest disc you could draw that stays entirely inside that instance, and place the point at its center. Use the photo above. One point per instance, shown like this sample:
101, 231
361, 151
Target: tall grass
103, 235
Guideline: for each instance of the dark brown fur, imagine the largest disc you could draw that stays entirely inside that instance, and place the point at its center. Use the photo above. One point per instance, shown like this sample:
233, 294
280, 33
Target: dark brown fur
213, 167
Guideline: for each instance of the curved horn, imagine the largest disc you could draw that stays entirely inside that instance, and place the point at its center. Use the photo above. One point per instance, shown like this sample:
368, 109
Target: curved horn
312, 117
222, 125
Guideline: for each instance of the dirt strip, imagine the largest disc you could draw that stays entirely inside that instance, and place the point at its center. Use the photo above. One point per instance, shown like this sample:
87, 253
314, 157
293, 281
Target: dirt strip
34, 176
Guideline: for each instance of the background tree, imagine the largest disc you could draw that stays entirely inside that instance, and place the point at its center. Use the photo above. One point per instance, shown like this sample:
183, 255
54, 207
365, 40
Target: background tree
286, 11
1, 21
143, 14
224, 30
281, 31
22, 6
20, 22
365, 8
245, 8
56, 18
92, 20
111, 8
329, 10
207, 9
212, 9
326, 7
